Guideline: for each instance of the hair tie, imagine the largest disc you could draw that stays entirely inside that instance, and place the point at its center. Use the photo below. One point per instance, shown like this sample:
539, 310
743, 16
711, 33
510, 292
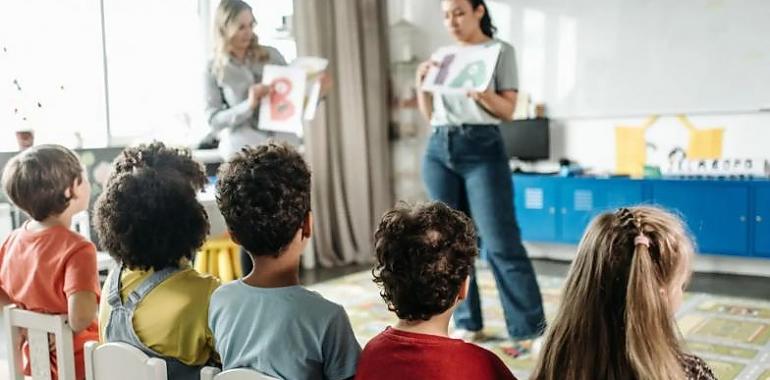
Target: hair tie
642, 240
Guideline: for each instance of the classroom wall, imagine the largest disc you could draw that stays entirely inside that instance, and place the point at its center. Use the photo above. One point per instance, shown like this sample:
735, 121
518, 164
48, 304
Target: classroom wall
591, 141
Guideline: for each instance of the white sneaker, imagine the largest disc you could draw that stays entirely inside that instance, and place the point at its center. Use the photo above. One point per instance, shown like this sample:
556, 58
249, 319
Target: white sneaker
468, 335
537, 345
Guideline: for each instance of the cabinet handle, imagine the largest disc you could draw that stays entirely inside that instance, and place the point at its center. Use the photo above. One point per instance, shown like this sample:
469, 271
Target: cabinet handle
563, 211
552, 210
758, 219
743, 219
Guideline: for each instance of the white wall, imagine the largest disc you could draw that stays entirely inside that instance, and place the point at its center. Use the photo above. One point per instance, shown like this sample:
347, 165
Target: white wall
590, 141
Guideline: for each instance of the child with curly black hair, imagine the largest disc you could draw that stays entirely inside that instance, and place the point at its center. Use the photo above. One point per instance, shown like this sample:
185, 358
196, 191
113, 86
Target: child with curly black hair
424, 257
267, 320
151, 223
168, 161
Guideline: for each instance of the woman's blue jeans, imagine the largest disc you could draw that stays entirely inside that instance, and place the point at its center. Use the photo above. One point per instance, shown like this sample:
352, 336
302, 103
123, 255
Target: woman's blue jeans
466, 167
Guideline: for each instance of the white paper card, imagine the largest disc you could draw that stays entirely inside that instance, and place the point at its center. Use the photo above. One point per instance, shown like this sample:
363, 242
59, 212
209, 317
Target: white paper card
461, 69
281, 111
313, 67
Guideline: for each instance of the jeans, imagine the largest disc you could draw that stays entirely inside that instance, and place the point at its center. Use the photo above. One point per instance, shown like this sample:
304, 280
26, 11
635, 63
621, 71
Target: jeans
466, 168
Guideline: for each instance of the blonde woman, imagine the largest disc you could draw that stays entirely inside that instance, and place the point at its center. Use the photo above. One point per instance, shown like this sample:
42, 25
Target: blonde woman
233, 80
233, 84
617, 318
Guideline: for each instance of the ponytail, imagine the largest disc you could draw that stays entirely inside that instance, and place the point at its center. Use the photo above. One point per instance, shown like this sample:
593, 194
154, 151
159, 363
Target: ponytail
648, 321
486, 25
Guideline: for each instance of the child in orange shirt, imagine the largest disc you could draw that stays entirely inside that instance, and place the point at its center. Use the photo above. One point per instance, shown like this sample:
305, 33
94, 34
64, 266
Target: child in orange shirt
44, 266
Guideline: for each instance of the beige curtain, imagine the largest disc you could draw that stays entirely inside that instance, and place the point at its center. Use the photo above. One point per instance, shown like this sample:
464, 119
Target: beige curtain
347, 143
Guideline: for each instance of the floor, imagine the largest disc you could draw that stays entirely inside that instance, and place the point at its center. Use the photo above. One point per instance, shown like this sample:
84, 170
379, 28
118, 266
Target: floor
713, 283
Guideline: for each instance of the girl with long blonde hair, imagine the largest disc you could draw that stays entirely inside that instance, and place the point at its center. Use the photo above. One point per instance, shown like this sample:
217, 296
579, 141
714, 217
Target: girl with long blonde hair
616, 321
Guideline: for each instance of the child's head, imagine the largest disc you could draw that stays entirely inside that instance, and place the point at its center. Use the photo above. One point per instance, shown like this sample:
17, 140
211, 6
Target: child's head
148, 219
45, 181
264, 195
621, 295
424, 256
165, 160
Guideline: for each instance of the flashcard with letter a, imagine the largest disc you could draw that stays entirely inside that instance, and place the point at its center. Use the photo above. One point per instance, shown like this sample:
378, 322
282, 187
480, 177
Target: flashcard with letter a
462, 69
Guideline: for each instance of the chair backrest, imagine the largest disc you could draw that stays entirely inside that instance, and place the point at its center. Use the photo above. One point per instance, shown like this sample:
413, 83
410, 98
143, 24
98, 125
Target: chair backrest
81, 223
6, 220
212, 373
121, 361
38, 327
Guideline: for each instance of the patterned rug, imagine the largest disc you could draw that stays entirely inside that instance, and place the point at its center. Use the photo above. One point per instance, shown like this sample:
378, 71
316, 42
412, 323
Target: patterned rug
731, 334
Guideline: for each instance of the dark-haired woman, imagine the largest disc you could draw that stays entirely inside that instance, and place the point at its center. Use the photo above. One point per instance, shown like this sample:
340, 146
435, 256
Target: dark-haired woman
465, 166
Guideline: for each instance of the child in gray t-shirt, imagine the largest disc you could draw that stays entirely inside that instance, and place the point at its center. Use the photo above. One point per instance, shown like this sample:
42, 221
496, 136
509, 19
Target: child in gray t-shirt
267, 321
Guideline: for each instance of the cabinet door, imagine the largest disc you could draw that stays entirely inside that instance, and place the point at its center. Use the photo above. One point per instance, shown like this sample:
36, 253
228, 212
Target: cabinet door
583, 199
535, 202
715, 212
579, 202
762, 221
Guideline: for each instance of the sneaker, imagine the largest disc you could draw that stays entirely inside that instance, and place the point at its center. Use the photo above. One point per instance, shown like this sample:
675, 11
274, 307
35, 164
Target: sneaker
468, 335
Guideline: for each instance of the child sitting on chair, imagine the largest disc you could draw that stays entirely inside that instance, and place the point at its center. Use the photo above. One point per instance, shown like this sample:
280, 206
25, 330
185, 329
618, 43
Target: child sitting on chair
424, 257
617, 318
267, 321
150, 221
44, 266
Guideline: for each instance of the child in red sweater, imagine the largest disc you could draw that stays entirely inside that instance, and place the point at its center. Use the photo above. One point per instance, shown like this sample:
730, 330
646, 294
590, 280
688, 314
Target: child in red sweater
424, 254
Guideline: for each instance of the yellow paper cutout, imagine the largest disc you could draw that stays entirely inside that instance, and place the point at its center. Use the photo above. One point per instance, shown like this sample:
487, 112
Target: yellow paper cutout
631, 148
704, 143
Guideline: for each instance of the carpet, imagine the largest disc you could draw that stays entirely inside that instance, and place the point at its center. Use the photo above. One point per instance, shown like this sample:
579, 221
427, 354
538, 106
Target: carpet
731, 334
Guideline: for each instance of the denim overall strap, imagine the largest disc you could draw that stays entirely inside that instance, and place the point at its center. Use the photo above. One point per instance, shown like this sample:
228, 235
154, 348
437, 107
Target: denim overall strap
120, 327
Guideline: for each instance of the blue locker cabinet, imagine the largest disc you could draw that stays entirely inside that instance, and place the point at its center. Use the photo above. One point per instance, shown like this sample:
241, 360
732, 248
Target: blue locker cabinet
762, 221
535, 203
581, 199
716, 212
725, 217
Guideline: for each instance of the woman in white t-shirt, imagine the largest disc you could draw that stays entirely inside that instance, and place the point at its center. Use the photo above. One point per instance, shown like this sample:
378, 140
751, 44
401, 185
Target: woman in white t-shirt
466, 167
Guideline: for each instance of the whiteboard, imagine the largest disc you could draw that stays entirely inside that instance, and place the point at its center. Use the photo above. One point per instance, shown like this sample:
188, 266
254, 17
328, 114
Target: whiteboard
615, 58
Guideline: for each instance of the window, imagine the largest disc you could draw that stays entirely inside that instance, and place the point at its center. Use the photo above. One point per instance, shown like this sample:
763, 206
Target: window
51, 72
155, 52
155, 61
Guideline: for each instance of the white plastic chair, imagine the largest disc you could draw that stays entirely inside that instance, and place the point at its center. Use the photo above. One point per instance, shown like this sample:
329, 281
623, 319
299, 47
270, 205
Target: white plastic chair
213, 373
6, 220
121, 361
38, 327
81, 223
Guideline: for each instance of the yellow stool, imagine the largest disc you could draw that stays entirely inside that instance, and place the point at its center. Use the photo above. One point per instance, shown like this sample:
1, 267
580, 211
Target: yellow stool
220, 257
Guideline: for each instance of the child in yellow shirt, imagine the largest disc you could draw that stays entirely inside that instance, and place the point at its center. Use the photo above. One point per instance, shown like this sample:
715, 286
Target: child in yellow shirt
149, 220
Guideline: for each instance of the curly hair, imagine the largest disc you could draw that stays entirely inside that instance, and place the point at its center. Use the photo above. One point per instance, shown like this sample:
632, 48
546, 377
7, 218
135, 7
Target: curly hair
166, 160
36, 179
424, 253
146, 219
264, 195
